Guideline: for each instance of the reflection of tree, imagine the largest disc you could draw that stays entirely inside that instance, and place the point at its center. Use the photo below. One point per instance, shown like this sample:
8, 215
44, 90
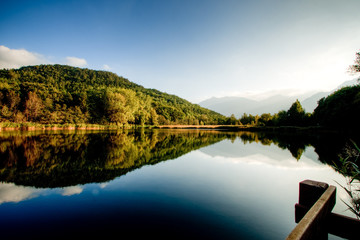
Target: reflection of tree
69, 158
296, 146
327, 146
64, 159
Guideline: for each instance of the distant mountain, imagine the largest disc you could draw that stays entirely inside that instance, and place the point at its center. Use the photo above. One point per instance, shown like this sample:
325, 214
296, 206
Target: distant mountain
273, 104
229, 105
240, 105
310, 103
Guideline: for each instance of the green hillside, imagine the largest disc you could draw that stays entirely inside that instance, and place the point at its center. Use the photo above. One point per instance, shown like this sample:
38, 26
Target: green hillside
59, 94
340, 109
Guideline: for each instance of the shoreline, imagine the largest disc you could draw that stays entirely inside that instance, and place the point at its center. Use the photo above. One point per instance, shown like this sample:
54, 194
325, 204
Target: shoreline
49, 128
274, 129
232, 128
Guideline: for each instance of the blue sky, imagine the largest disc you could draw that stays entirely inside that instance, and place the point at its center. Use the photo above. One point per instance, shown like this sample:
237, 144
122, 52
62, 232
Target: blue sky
194, 49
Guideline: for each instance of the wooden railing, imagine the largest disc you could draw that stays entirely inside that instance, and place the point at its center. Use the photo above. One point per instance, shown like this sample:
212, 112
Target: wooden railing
314, 217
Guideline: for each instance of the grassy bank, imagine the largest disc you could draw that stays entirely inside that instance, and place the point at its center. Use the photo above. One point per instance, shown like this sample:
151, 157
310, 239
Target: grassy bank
29, 126
278, 129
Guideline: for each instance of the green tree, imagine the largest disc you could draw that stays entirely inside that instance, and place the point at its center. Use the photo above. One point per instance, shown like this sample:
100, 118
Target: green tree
295, 114
154, 117
265, 119
231, 120
120, 106
340, 109
33, 107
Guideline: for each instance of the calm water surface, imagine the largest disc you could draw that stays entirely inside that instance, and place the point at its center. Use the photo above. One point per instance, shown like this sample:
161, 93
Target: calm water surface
164, 184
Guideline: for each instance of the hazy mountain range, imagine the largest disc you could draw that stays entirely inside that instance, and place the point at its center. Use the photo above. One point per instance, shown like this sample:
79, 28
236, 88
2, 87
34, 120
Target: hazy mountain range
273, 103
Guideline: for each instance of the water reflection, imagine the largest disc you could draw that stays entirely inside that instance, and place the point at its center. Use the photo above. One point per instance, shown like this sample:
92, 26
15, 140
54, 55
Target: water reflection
70, 158
9, 192
59, 159
234, 186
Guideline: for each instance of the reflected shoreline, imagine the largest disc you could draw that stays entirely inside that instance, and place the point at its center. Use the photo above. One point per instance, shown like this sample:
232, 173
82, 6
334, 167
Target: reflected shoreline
44, 159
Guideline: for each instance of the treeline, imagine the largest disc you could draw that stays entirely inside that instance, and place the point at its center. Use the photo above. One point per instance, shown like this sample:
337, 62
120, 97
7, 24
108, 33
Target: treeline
338, 110
72, 158
58, 94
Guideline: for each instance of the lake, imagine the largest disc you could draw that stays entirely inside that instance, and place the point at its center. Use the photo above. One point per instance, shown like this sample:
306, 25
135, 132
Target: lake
165, 184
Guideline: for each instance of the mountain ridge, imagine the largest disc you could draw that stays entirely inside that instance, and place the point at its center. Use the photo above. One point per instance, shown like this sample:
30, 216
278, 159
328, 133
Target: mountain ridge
272, 104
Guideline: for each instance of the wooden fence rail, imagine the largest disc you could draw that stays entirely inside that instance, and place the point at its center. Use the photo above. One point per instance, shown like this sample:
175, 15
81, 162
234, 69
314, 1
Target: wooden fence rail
314, 217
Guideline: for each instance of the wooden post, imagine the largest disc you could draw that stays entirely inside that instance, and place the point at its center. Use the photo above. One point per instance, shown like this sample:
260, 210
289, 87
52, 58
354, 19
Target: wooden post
309, 192
312, 225
313, 213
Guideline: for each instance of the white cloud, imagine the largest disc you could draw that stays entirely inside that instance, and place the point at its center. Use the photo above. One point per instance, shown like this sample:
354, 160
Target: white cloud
15, 58
68, 191
76, 62
9, 192
106, 67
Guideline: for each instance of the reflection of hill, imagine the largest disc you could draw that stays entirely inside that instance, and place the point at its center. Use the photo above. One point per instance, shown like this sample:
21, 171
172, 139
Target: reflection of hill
224, 149
61, 159
65, 159
326, 147
261, 154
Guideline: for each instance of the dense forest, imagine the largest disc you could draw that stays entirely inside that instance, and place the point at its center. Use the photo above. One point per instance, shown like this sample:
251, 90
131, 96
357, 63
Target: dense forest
59, 94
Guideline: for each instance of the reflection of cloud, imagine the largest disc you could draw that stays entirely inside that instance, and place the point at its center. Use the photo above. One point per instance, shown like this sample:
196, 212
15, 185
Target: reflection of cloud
254, 153
261, 159
9, 192
103, 185
68, 191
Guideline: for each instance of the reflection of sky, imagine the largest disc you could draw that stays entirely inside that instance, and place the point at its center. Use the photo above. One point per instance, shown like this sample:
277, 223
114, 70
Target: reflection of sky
261, 154
274, 164
9, 192
252, 185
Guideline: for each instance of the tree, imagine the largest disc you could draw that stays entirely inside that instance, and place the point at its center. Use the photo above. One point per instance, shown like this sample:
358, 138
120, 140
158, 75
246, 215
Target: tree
356, 67
153, 117
121, 106
33, 107
340, 109
296, 114
265, 119
246, 119
231, 120
115, 107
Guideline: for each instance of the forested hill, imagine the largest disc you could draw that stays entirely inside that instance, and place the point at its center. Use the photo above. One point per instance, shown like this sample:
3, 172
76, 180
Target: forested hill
59, 94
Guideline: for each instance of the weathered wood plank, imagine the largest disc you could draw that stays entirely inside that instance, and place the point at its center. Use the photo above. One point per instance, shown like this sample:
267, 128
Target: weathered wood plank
313, 224
336, 224
343, 226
